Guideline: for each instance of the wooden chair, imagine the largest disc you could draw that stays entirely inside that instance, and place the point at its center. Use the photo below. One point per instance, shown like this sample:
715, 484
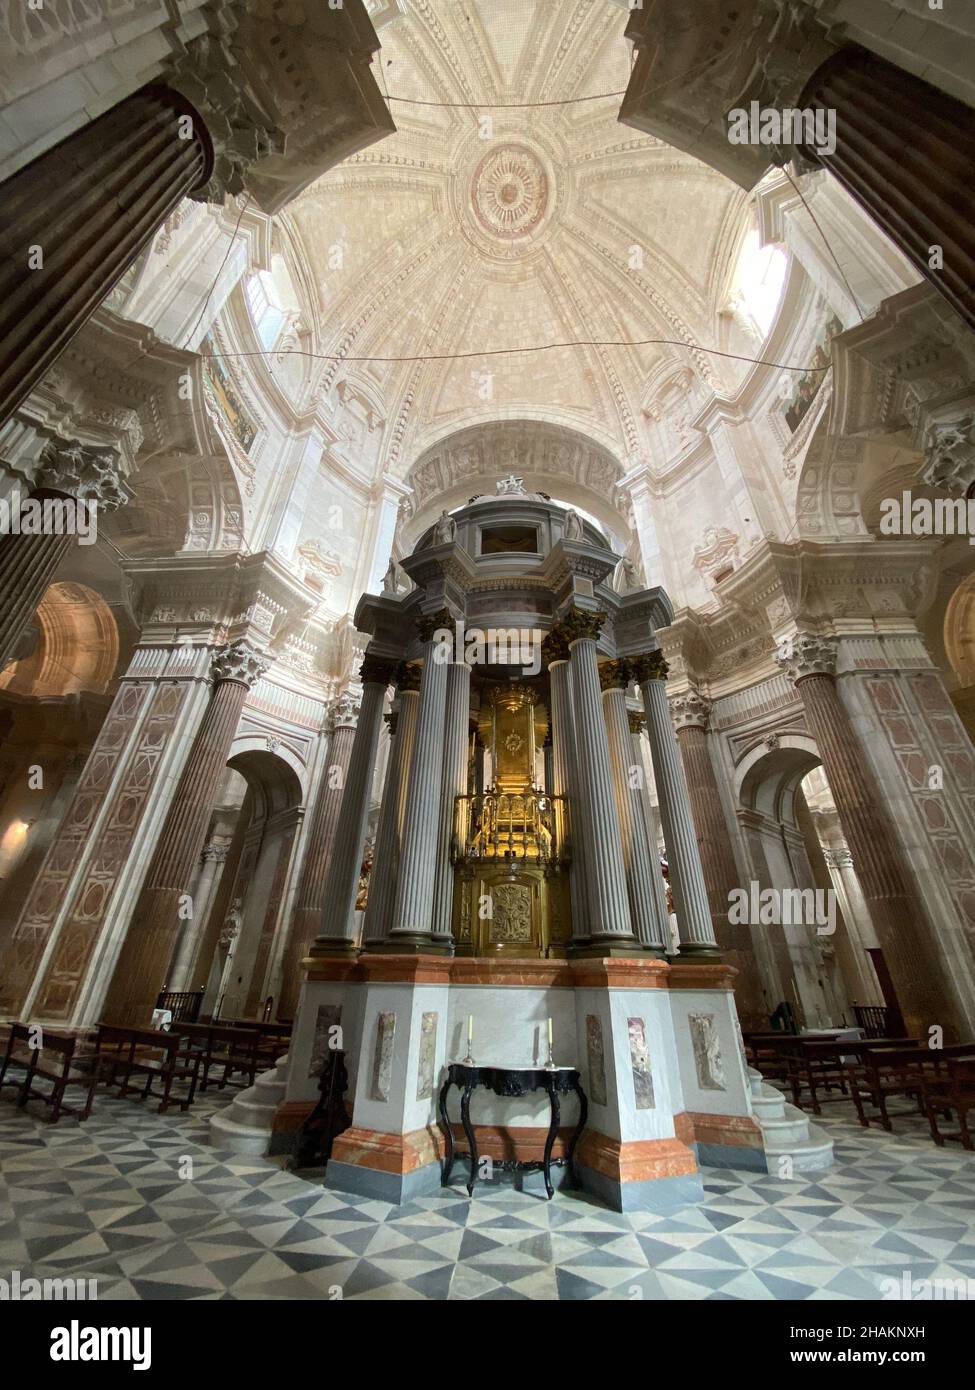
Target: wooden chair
952, 1089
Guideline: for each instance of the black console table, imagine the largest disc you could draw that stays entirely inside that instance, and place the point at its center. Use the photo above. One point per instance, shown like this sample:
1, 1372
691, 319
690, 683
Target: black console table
511, 1081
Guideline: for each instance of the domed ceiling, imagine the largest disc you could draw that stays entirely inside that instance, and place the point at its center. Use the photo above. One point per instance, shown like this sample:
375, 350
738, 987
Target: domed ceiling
475, 231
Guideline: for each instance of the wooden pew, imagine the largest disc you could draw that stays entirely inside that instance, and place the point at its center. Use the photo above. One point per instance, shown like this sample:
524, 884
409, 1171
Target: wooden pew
54, 1063
217, 1045
952, 1088
881, 1073
124, 1053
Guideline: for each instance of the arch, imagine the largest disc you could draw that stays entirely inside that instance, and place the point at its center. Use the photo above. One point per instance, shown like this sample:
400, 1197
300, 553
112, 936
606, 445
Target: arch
274, 778
552, 457
75, 646
959, 631
767, 778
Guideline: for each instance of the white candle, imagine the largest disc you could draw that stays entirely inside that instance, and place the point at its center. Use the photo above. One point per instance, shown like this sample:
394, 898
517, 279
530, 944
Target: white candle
470, 1028
550, 1032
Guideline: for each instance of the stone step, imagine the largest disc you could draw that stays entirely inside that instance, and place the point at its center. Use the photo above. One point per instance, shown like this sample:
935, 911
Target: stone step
811, 1156
227, 1133
245, 1126
790, 1127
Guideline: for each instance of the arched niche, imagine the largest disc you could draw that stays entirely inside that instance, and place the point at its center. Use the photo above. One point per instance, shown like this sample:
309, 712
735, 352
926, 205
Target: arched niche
73, 646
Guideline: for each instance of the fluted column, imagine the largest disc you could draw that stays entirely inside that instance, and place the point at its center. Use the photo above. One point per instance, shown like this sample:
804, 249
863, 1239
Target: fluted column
649, 927
342, 877
412, 928
306, 923
684, 861
389, 831
610, 925
810, 661
144, 959
457, 717
691, 712
568, 812
651, 822
905, 151
213, 858
68, 471
76, 218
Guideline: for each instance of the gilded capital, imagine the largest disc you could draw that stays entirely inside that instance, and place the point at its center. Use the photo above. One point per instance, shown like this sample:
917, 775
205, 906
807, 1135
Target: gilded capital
581, 623
636, 720
377, 670
429, 623
555, 646
614, 675
408, 676
649, 666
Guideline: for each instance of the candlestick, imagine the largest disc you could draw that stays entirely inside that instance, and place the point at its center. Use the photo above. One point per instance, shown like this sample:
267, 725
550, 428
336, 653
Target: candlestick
550, 1032
550, 1064
470, 1027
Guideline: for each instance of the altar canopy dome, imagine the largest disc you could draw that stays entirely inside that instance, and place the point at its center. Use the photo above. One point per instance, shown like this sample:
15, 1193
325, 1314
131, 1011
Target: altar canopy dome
510, 210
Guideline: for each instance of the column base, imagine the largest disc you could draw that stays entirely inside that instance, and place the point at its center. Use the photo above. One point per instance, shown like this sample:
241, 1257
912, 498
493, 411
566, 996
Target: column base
333, 946
388, 1167
608, 946
412, 944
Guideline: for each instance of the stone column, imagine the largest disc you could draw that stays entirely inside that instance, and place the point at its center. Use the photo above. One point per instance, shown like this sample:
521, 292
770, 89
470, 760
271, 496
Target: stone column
905, 151
412, 928
568, 813
454, 784
213, 857
306, 923
810, 661
610, 925
76, 218
683, 859
690, 713
147, 949
651, 824
650, 928
69, 471
389, 831
337, 931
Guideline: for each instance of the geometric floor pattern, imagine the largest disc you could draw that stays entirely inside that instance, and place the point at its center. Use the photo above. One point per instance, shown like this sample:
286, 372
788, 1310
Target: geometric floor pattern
141, 1203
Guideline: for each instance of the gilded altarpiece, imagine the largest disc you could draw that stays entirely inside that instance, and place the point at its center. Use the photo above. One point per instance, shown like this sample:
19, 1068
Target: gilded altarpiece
510, 891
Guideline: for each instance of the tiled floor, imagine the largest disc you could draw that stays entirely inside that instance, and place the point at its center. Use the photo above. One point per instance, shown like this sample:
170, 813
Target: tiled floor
106, 1200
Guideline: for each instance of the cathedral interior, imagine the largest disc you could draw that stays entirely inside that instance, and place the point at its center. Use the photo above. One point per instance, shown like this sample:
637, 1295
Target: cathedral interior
487, 650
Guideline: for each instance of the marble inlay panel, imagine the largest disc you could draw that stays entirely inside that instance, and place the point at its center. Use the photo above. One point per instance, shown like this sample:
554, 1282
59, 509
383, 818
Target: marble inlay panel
597, 1059
329, 1016
428, 1056
640, 1063
382, 1063
707, 1052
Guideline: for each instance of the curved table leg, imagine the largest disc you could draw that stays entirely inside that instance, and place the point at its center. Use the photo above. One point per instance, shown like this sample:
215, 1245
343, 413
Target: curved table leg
553, 1130
448, 1157
583, 1117
465, 1117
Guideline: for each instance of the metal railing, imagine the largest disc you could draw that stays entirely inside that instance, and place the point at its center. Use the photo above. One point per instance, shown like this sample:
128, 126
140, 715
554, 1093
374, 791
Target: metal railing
510, 826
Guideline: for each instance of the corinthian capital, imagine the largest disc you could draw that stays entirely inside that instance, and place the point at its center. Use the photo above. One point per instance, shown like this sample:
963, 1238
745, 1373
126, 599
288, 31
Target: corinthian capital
690, 710
344, 713
807, 654
648, 667
238, 662
581, 622
82, 471
950, 455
